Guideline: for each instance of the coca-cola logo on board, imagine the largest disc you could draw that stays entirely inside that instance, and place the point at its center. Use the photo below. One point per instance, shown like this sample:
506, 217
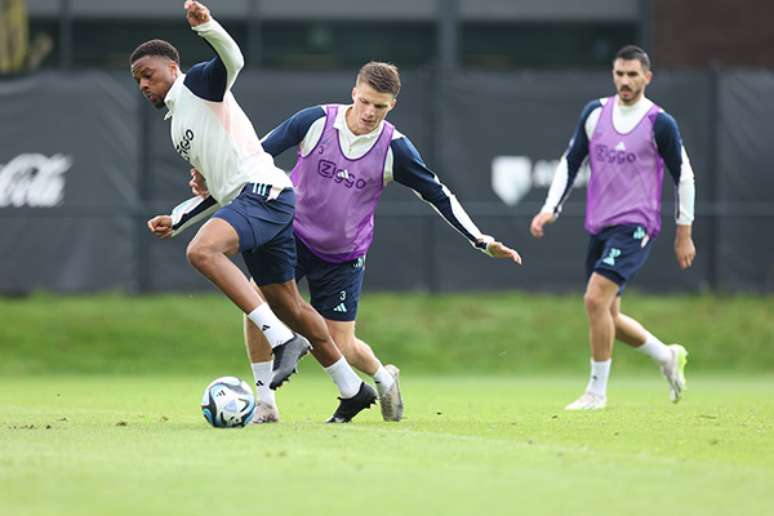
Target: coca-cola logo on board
33, 180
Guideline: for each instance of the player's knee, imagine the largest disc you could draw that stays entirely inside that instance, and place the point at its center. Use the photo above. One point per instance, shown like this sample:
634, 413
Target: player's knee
198, 255
595, 302
345, 343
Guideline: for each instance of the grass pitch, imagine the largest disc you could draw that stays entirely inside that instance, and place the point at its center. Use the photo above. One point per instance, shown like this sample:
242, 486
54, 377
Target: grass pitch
128, 445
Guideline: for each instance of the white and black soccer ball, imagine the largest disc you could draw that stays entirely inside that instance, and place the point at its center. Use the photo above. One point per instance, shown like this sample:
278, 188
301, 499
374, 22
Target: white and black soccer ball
228, 402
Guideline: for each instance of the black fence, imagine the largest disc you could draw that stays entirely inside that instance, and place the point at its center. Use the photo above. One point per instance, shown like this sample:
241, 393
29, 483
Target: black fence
84, 161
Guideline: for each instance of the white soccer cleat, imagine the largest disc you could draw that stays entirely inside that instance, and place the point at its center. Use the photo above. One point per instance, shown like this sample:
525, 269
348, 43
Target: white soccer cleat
391, 402
588, 401
674, 372
265, 413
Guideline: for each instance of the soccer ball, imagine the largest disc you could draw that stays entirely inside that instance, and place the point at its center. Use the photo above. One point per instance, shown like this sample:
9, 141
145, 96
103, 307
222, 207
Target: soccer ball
228, 402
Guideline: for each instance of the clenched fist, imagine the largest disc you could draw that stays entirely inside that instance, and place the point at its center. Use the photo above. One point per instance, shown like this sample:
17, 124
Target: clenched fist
161, 226
196, 13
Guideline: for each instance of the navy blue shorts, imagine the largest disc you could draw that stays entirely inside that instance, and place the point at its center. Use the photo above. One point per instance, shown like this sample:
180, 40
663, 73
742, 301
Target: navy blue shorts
618, 252
334, 287
265, 229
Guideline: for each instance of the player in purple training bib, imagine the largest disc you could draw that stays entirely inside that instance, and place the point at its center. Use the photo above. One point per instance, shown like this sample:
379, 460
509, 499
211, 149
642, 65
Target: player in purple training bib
347, 155
628, 141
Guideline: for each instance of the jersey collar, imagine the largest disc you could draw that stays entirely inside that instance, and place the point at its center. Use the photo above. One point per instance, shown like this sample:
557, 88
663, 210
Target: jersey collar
172, 95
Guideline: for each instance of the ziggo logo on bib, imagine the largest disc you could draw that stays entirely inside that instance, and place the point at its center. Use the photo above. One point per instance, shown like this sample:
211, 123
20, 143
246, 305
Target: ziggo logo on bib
329, 169
605, 153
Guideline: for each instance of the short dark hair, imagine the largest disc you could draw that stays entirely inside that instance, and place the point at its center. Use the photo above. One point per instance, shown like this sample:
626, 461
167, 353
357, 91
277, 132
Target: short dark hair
155, 47
383, 77
630, 52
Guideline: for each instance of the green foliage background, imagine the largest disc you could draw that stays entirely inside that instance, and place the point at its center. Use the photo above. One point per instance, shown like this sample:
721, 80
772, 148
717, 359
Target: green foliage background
465, 333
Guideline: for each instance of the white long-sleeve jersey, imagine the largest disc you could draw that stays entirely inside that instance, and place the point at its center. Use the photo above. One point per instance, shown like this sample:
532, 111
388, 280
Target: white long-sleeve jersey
211, 132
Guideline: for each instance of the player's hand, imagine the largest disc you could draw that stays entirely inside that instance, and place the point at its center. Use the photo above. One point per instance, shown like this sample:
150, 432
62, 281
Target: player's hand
538, 223
499, 250
161, 226
198, 184
196, 13
685, 251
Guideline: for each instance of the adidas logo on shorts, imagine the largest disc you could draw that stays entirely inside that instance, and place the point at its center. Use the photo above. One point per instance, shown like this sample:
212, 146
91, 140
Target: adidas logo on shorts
340, 308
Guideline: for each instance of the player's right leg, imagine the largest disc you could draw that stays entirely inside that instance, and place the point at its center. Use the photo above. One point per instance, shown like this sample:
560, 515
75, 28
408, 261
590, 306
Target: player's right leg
222, 236
248, 224
209, 253
600, 294
272, 261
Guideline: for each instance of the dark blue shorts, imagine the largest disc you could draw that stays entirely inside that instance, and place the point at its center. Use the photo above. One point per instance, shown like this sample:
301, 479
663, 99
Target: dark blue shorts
618, 252
265, 229
334, 287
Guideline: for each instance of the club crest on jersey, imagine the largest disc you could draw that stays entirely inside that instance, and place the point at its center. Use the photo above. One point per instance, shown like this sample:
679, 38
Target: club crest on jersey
339, 175
616, 155
183, 147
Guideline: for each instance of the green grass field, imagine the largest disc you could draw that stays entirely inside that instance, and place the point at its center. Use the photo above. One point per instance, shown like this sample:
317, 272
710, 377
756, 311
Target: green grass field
469, 445
100, 415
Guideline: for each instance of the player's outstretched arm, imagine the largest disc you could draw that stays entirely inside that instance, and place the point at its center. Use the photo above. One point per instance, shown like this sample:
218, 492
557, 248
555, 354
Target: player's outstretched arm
497, 249
218, 75
410, 170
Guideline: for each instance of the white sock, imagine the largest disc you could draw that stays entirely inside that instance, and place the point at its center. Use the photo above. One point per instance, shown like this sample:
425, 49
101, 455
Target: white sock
600, 372
344, 378
382, 379
262, 373
655, 349
271, 327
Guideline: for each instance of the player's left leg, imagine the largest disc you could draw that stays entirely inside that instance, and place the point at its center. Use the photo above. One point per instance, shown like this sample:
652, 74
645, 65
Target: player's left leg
360, 355
671, 359
335, 290
261, 362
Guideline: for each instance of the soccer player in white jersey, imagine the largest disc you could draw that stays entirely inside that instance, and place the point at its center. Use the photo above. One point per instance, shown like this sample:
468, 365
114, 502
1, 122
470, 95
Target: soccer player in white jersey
347, 155
252, 201
628, 140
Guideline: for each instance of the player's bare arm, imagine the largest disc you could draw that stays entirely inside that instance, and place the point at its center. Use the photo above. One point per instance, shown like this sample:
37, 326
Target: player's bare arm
196, 13
685, 251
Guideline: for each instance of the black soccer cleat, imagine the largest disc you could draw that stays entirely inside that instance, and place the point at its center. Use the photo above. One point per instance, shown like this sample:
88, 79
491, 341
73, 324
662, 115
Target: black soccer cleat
286, 357
351, 407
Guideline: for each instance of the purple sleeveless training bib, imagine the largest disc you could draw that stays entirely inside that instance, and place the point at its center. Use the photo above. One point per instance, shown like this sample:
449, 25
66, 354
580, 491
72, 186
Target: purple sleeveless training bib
626, 174
336, 196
